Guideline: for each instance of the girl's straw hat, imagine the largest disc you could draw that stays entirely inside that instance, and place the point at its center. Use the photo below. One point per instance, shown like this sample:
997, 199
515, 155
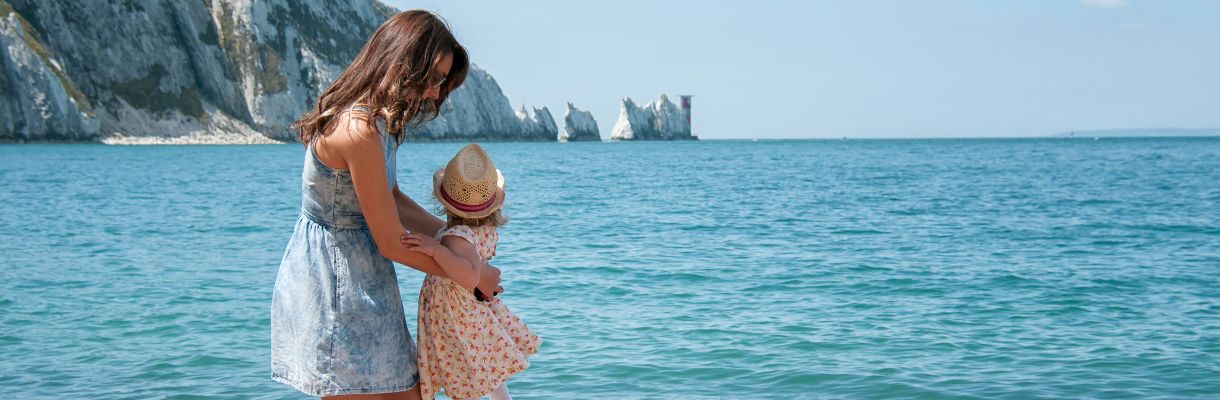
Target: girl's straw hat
470, 186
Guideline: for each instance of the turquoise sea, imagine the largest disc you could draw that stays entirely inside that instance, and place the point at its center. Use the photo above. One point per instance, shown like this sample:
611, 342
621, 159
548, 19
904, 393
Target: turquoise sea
857, 269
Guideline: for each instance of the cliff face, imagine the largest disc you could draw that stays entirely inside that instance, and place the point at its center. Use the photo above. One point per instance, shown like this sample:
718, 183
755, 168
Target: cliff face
212, 70
579, 126
36, 98
479, 111
658, 120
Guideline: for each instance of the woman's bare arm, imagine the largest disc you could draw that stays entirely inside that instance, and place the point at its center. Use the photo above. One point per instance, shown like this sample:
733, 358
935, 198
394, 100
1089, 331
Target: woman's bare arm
360, 147
414, 217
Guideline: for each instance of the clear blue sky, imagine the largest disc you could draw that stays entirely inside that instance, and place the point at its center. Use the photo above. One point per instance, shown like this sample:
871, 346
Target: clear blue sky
799, 69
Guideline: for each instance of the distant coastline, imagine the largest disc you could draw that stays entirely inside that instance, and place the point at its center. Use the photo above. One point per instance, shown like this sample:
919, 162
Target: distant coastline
1143, 132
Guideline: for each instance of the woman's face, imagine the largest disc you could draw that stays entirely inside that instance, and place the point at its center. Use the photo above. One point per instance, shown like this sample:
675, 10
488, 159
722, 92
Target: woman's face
438, 76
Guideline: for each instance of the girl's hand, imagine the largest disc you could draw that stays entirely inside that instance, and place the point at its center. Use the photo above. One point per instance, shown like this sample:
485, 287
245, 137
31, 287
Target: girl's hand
420, 243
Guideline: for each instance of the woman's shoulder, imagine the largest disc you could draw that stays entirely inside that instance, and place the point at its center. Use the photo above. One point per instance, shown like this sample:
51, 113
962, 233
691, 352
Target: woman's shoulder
351, 133
355, 125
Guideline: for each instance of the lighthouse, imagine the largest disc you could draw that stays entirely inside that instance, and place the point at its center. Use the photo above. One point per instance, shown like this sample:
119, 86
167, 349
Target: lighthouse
686, 110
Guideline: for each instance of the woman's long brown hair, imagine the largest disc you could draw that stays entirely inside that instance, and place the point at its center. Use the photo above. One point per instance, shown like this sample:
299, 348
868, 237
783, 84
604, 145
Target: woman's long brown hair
391, 74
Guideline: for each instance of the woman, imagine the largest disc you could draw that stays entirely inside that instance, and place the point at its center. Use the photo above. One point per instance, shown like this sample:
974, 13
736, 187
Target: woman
337, 323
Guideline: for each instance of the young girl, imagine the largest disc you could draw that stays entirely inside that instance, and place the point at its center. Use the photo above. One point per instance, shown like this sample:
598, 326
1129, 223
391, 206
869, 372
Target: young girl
466, 346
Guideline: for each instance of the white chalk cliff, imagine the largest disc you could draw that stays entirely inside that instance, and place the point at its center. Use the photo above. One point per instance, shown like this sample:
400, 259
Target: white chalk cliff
37, 98
579, 126
478, 110
213, 71
658, 120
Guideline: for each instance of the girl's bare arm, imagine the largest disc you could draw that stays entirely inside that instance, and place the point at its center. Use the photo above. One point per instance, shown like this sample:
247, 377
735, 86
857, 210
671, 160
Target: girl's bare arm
455, 255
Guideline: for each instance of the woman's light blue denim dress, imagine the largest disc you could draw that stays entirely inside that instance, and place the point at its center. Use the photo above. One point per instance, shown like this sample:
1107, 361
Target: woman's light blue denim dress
337, 323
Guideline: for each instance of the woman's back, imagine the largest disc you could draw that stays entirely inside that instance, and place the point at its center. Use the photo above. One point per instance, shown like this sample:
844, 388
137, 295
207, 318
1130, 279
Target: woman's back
327, 194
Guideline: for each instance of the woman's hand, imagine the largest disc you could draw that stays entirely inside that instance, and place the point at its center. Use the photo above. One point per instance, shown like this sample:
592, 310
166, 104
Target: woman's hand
420, 243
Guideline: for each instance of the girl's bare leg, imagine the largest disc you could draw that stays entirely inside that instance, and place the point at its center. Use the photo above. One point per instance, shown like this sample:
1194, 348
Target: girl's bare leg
501, 393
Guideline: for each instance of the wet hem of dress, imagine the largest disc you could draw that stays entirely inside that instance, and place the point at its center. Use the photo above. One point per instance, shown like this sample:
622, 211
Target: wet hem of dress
318, 391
